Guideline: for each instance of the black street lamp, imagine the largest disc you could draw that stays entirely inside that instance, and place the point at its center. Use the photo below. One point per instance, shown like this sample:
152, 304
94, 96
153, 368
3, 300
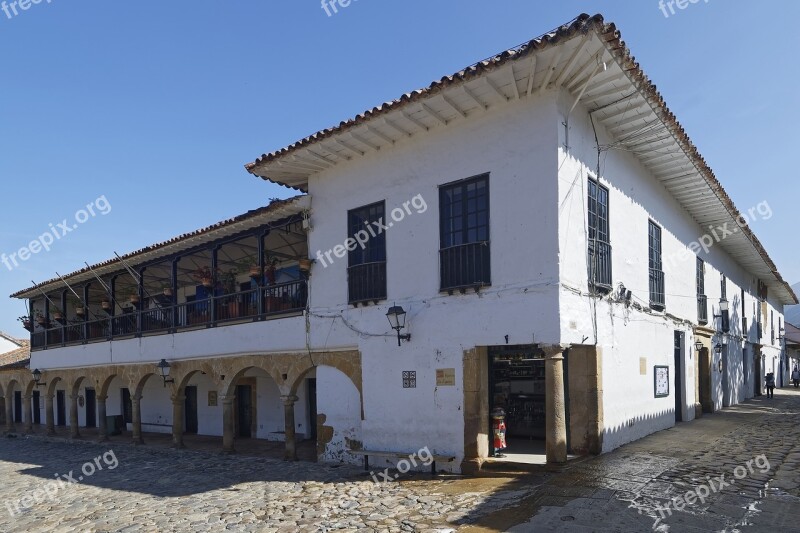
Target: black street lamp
163, 366
397, 318
37, 377
698, 346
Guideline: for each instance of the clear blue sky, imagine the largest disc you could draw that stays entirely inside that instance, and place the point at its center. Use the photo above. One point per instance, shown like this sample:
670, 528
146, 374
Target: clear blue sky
157, 105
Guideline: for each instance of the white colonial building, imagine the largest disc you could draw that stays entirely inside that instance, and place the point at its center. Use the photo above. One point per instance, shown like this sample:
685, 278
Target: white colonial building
558, 246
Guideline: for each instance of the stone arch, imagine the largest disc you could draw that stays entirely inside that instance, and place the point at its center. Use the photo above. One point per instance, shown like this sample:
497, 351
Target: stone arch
229, 388
29, 388
105, 383
76, 385
52, 382
12, 385
348, 363
185, 370
2, 390
140, 382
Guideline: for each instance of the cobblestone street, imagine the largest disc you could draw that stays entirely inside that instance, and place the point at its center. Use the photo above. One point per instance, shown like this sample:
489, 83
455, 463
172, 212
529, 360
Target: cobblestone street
127, 488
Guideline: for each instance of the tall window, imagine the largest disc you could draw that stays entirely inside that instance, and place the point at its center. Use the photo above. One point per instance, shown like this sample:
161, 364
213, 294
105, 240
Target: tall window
745, 333
464, 257
725, 324
657, 300
702, 300
772, 326
366, 272
599, 252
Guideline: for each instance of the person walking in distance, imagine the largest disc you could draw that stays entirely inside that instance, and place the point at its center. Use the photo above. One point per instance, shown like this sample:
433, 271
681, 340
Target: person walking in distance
770, 382
796, 377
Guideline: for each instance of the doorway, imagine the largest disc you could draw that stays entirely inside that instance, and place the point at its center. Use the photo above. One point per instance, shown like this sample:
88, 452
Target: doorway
18, 406
757, 370
91, 409
244, 410
679, 336
705, 381
37, 414
127, 406
517, 386
190, 410
61, 408
312, 406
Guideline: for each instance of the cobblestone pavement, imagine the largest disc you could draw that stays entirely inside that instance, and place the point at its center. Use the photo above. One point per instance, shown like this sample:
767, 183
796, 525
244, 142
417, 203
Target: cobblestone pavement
633, 489
126, 488
117, 487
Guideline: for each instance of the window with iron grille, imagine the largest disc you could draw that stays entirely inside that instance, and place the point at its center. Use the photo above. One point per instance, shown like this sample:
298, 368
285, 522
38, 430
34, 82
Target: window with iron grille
366, 264
599, 248
702, 299
772, 327
657, 300
464, 254
724, 315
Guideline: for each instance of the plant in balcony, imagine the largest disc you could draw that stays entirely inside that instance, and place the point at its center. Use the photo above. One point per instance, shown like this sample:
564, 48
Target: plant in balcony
79, 310
133, 295
26, 323
205, 276
105, 303
39, 316
227, 279
305, 265
271, 269
167, 290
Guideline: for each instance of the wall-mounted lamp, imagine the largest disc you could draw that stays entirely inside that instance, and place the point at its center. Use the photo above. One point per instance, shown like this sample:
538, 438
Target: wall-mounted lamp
397, 318
718, 348
163, 366
698, 346
37, 377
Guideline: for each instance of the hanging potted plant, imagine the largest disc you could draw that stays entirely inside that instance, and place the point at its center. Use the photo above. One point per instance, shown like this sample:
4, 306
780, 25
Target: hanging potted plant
105, 303
79, 310
58, 315
167, 290
270, 271
305, 265
133, 295
39, 317
26, 323
204, 276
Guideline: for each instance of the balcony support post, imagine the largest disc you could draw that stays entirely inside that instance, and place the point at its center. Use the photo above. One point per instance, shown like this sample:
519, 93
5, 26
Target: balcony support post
85, 318
260, 280
211, 297
174, 297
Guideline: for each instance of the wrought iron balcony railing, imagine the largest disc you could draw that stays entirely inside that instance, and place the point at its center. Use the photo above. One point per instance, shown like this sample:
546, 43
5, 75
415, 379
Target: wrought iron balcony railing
657, 299
251, 305
465, 266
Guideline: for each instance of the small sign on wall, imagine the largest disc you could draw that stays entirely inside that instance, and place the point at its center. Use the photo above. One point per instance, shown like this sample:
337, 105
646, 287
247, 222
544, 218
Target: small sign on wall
409, 379
212, 398
661, 381
445, 377
643, 366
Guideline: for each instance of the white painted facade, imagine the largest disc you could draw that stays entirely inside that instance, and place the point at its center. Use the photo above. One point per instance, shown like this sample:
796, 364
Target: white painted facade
539, 153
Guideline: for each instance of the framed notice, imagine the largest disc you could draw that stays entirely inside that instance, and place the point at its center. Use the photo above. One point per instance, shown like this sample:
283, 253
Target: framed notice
212, 398
661, 379
446, 377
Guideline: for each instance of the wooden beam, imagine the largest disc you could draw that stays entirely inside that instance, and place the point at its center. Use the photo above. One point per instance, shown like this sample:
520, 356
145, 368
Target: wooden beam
532, 74
365, 142
551, 69
309, 163
454, 106
513, 79
350, 148
397, 128
321, 158
414, 121
380, 134
474, 97
335, 153
571, 61
496, 89
434, 114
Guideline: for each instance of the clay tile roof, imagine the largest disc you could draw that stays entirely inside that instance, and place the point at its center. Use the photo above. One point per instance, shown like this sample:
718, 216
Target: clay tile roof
16, 359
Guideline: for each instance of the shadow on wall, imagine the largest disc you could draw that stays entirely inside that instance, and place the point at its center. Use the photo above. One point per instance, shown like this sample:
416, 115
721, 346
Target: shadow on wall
637, 427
